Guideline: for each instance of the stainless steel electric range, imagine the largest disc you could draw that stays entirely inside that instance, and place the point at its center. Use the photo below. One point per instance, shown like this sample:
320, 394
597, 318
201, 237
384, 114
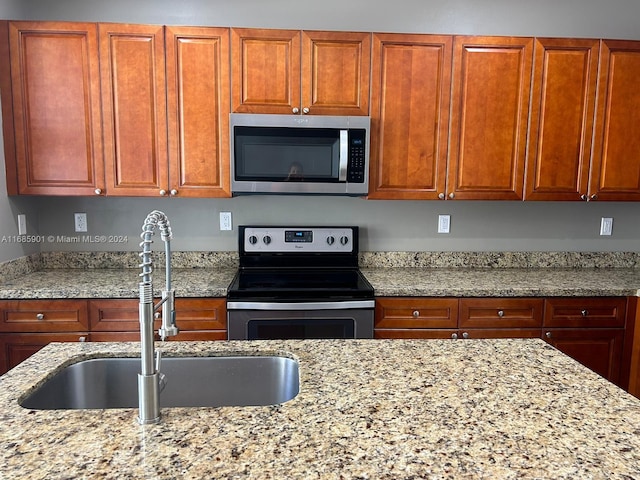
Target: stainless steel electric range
299, 283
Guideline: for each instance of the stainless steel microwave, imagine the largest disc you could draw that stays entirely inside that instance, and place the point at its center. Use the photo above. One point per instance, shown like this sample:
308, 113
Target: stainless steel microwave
304, 155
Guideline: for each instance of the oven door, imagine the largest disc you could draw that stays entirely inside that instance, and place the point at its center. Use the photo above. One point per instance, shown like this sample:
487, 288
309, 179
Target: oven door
312, 320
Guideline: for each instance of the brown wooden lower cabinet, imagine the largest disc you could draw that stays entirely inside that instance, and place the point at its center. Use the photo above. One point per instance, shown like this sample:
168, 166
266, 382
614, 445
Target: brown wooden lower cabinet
598, 349
28, 325
17, 347
595, 331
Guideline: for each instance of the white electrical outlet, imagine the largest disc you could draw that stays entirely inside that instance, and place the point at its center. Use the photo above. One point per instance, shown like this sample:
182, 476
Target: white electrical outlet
80, 222
225, 221
606, 226
444, 223
22, 224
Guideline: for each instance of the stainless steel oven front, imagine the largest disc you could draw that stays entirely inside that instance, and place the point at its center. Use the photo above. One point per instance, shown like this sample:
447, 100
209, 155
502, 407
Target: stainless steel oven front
299, 283
300, 320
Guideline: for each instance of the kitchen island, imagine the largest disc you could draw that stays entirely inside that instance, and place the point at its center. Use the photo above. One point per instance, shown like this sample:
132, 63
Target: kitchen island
379, 409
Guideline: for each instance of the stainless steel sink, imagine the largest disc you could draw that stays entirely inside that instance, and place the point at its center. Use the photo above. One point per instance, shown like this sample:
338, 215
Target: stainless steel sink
190, 382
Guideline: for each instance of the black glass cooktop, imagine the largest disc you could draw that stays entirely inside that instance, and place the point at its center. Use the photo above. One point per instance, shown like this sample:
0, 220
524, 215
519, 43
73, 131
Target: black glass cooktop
310, 284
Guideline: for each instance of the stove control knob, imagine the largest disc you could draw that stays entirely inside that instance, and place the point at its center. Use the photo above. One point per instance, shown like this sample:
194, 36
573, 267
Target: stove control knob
344, 240
266, 239
331, 239
253, 239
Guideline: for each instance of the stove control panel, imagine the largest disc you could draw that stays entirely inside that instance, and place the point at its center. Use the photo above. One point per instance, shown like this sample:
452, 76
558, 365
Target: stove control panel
298, 239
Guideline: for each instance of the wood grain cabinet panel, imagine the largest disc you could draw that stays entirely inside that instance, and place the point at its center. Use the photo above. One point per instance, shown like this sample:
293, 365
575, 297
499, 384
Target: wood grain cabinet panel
415, 317
198, 111
409, 115
193, 316
563, 99
293, 72
500, 313
132, 63
17, 347
616, 151
335, 72
591, 331
605, 312
43, 315
56, 107
490, 108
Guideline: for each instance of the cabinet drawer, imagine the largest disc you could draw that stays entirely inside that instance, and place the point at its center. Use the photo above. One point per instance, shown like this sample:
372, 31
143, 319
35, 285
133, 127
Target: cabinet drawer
500, 312
398, 313
44, 315
121, 315
585, 312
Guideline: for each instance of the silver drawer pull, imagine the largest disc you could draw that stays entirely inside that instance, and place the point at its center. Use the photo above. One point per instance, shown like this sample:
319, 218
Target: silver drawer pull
548, 334
40, 316
416, 313
584, 312
501, 313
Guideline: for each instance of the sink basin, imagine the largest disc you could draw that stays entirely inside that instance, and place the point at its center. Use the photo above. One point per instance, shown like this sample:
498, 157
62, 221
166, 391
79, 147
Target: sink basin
191, 382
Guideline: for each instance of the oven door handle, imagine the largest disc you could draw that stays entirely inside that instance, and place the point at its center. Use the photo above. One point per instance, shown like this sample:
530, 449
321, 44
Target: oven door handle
300, 305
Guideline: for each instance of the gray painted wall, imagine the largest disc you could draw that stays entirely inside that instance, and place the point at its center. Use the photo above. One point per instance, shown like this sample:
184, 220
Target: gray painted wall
387, 225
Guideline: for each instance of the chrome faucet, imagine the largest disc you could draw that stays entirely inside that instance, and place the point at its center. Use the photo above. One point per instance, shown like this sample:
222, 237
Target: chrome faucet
150, 380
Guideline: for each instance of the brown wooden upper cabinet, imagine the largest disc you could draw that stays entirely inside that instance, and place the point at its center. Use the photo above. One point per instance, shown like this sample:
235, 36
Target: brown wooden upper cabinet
300, 72
198, 105
55, 84
563, 99
134, 108
165, 134
410, 85
490, 108
615, 172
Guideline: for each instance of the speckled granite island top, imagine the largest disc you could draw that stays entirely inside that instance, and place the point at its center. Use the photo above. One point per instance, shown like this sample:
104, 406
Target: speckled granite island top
401, 409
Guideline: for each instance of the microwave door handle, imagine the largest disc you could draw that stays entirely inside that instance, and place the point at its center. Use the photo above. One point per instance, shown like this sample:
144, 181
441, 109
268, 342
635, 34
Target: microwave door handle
344, 155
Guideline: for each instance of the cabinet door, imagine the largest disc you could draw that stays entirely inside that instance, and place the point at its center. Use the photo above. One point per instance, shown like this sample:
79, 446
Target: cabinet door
17, 347
56, 106
599, 349
409, 116
198, 111
335, 73
43, 315
490, 107
265, 70
562, 110
415, 317
616, 150
132, 64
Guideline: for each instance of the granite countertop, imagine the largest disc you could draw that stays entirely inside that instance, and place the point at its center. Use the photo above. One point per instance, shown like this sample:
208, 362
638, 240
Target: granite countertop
397, 409
391, 281
114, 283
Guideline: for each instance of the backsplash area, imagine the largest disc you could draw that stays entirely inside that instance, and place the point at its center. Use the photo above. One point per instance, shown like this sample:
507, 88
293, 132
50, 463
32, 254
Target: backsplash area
119, 260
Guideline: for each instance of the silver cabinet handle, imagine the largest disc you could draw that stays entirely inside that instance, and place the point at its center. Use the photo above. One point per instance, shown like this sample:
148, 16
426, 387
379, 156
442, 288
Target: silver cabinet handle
441, 196
465, 335
40, 316
594, 197
173, 192
163, 192
295, 110
584, 313
452, 195
584, 197
82, 339
454, 336
501, 313
305, 110
416, 314
548, 334
98, 191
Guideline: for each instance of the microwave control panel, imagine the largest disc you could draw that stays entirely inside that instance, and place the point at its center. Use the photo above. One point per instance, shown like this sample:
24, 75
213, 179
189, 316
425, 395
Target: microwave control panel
298, 239
357, 164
